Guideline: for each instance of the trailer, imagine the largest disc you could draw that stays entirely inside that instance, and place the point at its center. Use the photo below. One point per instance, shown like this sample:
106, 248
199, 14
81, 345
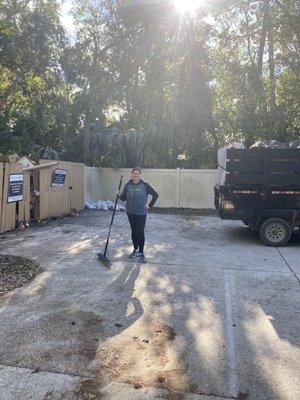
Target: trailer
261, 187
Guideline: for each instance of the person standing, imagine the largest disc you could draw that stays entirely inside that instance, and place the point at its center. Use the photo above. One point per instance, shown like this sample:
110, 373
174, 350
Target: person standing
135, 193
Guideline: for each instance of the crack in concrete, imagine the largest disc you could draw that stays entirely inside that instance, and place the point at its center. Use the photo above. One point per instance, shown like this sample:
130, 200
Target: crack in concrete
38, 370
288, 265
228, 288
185, 265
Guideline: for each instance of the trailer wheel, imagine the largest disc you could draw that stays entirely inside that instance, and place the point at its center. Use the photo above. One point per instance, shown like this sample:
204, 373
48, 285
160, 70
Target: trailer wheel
275, 232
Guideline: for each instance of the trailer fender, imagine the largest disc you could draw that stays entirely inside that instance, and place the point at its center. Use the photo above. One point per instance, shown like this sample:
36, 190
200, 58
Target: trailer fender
290, 216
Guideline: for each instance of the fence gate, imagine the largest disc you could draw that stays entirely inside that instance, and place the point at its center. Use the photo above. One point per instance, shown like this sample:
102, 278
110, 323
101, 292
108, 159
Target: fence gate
61, 189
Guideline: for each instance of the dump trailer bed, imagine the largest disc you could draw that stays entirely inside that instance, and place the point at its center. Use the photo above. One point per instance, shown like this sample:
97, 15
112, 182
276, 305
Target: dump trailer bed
261, 185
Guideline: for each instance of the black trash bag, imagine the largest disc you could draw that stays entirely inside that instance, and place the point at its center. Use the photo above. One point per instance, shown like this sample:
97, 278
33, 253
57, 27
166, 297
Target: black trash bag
46, 153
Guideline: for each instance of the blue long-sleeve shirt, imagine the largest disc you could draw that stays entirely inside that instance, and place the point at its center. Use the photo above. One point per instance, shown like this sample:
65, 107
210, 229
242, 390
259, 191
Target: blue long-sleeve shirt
136, 195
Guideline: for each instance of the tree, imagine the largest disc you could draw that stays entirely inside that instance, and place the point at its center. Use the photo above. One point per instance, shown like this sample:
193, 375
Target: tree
180, 84
34, 97
257, 48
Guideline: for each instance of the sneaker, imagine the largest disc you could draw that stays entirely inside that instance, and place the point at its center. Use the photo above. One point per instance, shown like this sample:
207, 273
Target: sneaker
134, 254
142, 258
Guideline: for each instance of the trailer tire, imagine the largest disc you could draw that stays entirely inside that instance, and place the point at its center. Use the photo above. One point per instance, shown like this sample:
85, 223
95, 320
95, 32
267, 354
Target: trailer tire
275, 232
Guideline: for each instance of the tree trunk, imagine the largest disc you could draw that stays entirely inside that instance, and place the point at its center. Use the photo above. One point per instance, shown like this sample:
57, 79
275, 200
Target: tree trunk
271, 65
87, 159
262, 42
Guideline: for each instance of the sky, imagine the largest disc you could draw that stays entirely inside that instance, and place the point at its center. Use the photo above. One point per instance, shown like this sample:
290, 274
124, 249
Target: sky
66, 17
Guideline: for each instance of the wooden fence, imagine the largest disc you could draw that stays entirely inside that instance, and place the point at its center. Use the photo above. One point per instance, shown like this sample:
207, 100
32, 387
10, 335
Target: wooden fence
63, 196
16, 212
59, 200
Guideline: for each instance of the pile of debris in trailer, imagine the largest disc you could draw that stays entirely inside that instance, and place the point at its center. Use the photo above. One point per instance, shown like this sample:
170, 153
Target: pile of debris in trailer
276, 144
265, 144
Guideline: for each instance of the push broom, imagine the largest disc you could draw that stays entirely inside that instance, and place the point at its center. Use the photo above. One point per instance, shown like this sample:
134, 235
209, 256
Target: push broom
102, 257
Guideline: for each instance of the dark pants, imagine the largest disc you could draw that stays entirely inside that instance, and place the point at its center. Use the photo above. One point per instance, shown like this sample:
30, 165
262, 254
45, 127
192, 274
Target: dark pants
137, 223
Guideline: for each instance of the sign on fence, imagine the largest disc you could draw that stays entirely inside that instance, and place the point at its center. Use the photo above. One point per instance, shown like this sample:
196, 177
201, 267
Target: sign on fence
61, 189
15, 188
59, 177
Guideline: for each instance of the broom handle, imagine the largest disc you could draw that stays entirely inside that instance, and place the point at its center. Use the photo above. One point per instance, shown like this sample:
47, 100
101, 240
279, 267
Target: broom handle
112, 217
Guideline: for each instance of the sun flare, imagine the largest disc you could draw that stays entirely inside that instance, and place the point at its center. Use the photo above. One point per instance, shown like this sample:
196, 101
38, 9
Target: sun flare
184, 6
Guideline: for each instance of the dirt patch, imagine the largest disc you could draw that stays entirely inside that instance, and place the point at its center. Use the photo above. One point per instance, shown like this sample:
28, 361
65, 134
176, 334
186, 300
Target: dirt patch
88, 390
88, 331
16, 271
145, 360
79, 330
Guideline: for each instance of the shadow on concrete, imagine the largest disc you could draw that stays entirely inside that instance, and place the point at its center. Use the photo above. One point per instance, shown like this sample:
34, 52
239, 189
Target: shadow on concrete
123, 288
243, 234
218, 347
60, 319
183, 330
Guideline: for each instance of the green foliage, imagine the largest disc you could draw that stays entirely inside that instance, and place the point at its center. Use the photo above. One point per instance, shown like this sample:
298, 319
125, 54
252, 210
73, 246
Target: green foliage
257, 60
134, 147
34, 97
9, 143
182, 84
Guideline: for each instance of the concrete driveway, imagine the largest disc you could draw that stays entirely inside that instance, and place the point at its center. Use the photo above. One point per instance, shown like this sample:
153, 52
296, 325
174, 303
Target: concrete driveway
213, 315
